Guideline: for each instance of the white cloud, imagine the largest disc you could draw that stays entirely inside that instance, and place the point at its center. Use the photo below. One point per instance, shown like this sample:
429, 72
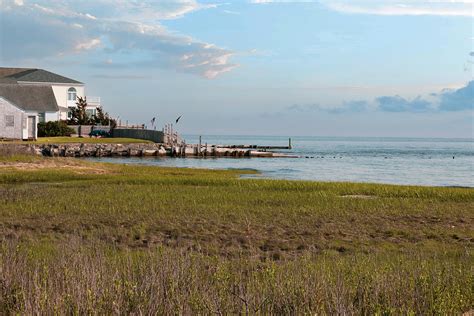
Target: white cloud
391, 7
281, 1
404, 7
130, 32
231, 12
87, 45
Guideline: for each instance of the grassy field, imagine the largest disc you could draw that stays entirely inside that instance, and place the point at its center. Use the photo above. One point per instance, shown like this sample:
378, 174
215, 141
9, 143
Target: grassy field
87, 140
79, 237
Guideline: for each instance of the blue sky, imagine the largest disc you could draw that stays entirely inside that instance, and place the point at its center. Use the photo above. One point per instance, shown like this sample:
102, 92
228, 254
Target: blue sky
326, 68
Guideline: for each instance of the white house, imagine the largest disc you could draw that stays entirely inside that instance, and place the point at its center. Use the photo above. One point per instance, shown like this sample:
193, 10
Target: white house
15, 122
66, 90
41, 94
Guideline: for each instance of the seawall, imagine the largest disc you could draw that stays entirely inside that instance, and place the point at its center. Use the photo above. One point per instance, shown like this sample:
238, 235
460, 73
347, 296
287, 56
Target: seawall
85, 150
130, 150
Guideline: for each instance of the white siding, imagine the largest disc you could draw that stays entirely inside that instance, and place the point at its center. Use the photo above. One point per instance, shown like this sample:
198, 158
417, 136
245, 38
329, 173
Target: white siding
62, 115
60, 92
13, 114
51, 116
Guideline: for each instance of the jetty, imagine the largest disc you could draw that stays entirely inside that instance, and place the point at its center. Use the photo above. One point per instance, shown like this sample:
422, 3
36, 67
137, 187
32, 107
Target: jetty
259, 147
179, 148
75, 148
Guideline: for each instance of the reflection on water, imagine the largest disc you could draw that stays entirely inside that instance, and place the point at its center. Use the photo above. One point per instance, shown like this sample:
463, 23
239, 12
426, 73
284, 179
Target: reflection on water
439, 162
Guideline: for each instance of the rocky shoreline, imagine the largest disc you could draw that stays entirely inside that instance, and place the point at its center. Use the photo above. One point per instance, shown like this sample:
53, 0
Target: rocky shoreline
130, 150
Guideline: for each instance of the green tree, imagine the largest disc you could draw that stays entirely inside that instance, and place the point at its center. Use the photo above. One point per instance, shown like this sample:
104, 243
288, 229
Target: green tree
103, 118
79, 114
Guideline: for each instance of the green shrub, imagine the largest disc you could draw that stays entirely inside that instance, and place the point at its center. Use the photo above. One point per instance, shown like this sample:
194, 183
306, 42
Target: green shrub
57, 128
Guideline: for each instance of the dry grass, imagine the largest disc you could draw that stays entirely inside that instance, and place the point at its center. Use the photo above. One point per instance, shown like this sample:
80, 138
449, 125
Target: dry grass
31, 163
166, 240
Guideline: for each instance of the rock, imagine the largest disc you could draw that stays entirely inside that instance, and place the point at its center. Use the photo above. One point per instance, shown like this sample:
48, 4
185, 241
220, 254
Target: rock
148, 152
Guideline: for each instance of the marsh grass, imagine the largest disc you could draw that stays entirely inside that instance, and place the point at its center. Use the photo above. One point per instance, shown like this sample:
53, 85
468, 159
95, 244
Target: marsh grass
137, 239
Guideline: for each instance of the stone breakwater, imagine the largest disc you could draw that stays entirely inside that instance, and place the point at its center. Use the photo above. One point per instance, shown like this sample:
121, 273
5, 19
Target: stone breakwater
130, 150
101, 150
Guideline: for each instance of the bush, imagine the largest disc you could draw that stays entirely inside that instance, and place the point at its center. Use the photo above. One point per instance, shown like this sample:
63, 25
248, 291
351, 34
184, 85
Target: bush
56, 128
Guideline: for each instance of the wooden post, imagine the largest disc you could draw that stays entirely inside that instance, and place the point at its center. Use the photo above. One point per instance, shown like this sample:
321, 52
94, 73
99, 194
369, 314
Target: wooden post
289, 143
171, 132
199, 148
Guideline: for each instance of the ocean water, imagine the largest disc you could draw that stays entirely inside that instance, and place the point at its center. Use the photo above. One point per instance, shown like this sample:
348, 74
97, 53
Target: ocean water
412, 161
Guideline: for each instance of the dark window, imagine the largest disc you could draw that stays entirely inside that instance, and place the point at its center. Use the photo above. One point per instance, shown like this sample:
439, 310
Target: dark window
69, 112
9, 121
41, 117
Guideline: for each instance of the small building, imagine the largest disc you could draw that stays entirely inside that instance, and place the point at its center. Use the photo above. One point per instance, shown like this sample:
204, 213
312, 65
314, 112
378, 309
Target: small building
40, 96
35, 103
17, 123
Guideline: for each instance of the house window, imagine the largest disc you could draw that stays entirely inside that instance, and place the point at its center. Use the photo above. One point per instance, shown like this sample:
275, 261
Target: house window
71, 94
41, 117
9, 121
69, 112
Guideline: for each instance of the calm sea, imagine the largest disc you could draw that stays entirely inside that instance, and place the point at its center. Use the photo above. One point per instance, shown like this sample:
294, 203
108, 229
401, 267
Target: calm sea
433, 162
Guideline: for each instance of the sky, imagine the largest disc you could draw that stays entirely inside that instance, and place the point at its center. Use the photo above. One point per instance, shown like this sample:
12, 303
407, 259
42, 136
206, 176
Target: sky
387, 68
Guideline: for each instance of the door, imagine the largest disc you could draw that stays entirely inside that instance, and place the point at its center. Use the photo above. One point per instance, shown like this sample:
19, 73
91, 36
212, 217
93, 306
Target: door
31, 127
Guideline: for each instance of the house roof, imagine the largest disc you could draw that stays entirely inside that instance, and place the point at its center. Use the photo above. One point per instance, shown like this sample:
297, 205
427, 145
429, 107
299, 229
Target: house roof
33, 75
30, 97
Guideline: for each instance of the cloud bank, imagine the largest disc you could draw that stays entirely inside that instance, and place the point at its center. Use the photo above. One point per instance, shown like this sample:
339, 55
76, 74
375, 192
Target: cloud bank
403, 7
391, 7
447, 101
129, 33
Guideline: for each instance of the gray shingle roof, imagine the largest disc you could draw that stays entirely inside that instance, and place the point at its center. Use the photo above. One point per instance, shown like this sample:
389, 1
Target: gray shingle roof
34, 75
30, 97
5, 72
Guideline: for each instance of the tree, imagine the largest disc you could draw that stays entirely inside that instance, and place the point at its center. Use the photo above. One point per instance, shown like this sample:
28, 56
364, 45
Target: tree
79, 115
102, 117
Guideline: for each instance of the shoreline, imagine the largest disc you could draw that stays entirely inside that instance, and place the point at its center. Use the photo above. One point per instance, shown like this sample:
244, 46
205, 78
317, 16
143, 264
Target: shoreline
40, 162
137, 150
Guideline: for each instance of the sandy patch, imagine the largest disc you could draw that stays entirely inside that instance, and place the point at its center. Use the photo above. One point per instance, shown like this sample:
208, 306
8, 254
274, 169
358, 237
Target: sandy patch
75, 166
359, 196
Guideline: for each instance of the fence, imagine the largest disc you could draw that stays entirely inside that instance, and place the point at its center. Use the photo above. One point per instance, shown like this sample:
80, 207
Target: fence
84, 130
145, 134
137, 132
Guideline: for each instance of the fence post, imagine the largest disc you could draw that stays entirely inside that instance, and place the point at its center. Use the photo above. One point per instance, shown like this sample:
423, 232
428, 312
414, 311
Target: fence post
199, 148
